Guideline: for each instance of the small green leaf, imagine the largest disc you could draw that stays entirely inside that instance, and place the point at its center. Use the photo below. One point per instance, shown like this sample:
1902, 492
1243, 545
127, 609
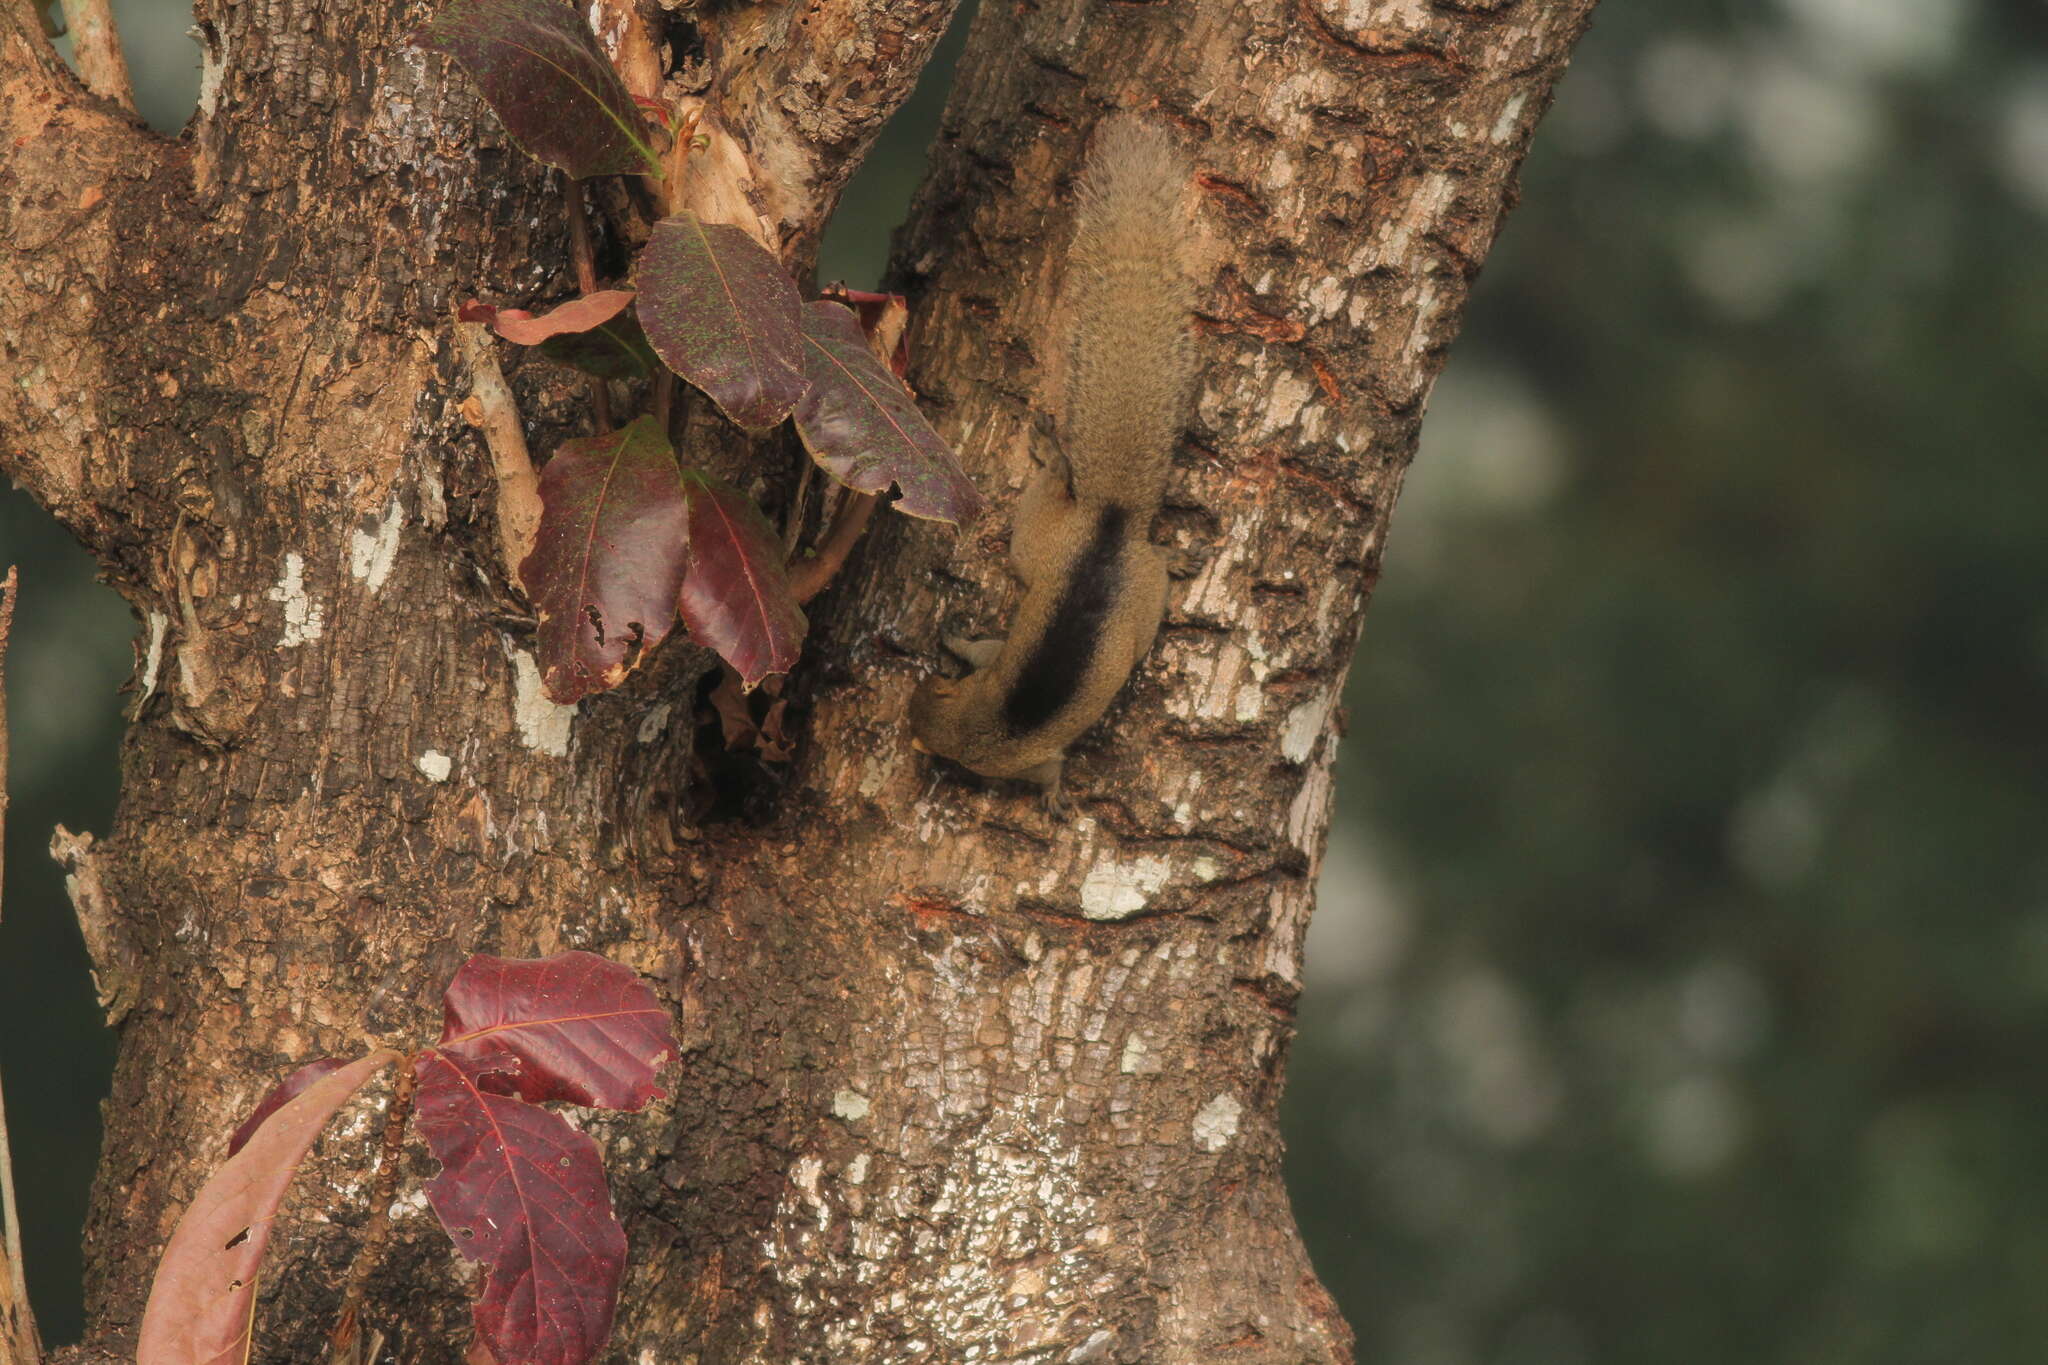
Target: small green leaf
543, 74
607, 560
736, 597
862, 427
721, 312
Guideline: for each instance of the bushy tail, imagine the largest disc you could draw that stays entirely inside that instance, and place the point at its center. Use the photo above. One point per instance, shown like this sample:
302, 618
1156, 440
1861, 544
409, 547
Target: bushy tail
1131, 365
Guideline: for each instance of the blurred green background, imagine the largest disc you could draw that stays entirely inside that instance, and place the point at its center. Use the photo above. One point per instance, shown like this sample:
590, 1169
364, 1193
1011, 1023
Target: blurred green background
1680, 987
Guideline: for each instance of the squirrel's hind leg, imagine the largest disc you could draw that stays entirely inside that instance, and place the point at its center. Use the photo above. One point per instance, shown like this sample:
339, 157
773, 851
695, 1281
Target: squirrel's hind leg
1046, 527
1149, 582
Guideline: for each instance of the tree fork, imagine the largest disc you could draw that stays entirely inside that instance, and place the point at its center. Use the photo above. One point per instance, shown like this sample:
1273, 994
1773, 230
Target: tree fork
958, 1082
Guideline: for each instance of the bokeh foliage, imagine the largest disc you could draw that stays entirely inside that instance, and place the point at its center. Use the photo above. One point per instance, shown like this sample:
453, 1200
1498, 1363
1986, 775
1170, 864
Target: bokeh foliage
1684, 989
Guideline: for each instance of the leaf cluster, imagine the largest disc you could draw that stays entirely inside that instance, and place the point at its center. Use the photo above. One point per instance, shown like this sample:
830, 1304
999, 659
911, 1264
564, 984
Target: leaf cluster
520, 1189
631, 536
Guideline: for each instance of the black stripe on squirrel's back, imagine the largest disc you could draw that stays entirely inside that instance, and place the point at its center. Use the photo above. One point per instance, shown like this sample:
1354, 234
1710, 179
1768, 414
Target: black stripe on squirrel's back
1052, 674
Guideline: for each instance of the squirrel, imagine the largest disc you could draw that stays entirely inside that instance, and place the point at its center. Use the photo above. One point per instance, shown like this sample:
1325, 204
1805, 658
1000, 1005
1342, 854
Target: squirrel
1094, 583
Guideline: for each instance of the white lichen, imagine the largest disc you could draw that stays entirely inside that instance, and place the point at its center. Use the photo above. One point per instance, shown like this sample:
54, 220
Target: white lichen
213, 66
1510, 116
1216, 1122
435, 764
371, 554
304, 619
1093, 1350
152, 656
1114, 890
1134, 1055
652, 724
1304, 725
543, 723
850, 1105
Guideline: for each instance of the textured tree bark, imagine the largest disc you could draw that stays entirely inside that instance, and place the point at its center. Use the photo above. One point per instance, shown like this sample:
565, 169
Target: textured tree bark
960, 1082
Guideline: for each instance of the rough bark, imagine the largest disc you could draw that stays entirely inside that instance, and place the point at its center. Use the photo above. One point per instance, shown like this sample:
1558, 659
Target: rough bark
960, 1082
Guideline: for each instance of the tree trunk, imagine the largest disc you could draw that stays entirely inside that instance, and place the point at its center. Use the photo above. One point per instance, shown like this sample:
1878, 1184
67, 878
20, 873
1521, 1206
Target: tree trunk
961, 1081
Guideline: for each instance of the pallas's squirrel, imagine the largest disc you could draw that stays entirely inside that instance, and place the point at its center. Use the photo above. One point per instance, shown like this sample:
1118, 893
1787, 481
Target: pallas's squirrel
1094, 584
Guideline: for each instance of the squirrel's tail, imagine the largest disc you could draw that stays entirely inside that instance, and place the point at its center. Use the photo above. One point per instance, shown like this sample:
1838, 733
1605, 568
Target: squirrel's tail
1131, 365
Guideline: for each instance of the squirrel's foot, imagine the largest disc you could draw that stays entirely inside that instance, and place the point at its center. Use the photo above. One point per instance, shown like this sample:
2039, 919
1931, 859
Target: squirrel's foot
976, 653
1047, 776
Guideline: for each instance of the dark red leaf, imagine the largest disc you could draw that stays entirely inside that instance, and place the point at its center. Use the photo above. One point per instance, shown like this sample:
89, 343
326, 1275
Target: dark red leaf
528, 329
721, 312
524, 1193
585, 1029
862, 427
542, 73
607, 559
282, 1091
205, 1287
736, 596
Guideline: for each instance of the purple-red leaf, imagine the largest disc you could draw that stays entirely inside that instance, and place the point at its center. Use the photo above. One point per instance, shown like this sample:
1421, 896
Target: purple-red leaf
736, 596
607, 558
607, 341
585, 1029
542, 73
523, 1192
528, 329
205, 1288
721, 312
279, 1093
862, 427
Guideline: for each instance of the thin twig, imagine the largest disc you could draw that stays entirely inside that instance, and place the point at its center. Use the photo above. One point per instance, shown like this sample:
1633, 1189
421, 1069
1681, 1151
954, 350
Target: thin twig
808, 578
378, 1230
22, 1341
491, 409
585, 257
7, 584
664, 398
793, 528
23, 1344
96, 43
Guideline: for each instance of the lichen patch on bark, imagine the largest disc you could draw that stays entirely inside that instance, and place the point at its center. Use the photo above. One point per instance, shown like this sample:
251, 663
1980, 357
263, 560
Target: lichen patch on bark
543, 723
304, 619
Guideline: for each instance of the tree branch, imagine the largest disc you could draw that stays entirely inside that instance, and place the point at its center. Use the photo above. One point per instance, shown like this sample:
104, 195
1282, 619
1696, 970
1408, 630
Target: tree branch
815, 85
808, 577
581, 252
491, 409
97, 44
370, 1249
19, 1341
64, 162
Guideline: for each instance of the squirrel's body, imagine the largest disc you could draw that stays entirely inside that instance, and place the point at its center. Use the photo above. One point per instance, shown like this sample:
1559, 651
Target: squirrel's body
1094, 584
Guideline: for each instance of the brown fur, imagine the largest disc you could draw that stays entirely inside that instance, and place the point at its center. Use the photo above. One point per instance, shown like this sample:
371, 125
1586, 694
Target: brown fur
1094, 584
